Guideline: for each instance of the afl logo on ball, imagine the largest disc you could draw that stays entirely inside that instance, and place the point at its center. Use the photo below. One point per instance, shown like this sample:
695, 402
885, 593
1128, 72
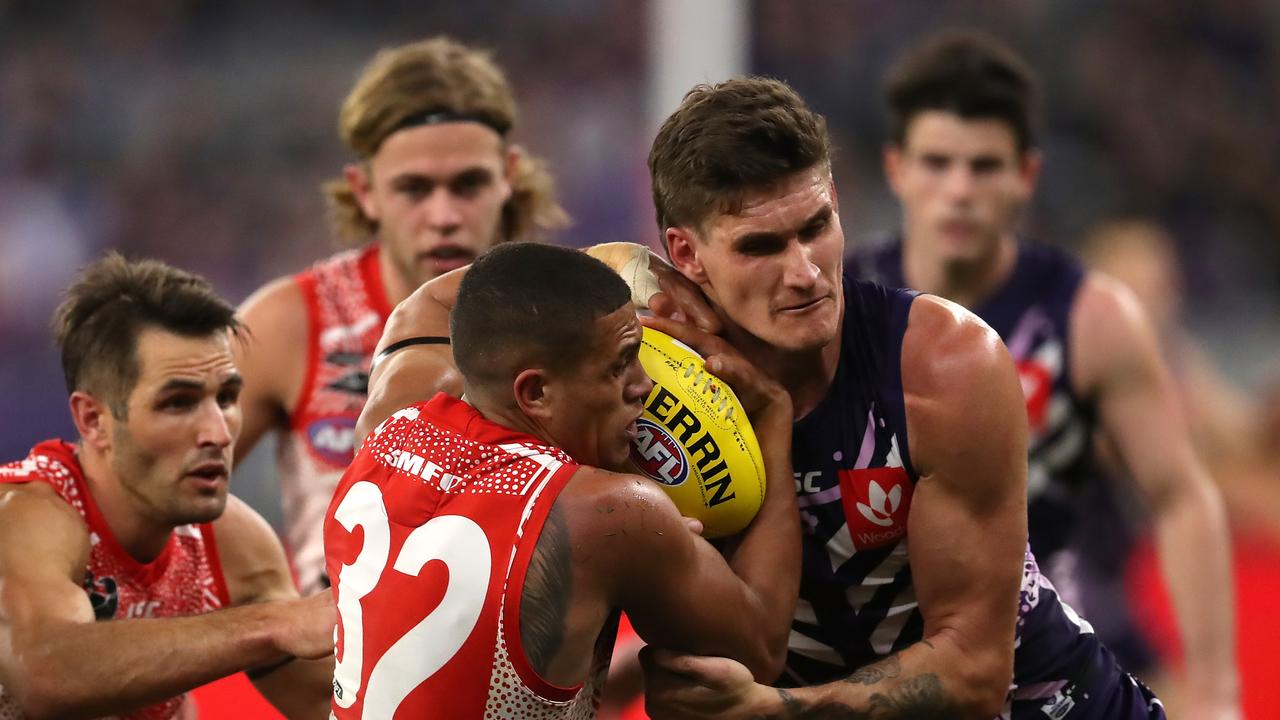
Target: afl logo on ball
658, 455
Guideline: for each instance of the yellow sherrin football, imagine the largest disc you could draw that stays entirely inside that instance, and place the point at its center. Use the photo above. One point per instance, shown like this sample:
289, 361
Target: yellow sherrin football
695, 440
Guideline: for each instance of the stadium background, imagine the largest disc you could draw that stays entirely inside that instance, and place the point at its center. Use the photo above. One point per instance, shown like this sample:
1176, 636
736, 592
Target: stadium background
198, 132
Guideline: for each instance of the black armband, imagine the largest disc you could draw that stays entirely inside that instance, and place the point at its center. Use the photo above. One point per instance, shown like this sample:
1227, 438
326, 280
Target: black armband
407, 342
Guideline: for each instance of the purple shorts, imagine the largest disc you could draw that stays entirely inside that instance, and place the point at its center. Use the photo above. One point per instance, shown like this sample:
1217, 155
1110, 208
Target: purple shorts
1099, 690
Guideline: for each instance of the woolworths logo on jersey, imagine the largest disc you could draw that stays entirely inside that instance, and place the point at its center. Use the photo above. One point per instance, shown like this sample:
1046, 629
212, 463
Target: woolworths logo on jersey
876, 504
883, 505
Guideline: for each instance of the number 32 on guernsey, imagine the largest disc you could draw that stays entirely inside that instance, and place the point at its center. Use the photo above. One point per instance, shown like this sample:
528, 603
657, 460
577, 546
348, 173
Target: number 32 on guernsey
456, 541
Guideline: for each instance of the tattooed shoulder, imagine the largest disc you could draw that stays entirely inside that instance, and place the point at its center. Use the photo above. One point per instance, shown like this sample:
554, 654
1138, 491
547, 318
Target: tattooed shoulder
544, 600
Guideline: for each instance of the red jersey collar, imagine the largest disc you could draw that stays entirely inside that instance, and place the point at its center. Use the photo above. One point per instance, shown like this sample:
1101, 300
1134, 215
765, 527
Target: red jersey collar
466, 420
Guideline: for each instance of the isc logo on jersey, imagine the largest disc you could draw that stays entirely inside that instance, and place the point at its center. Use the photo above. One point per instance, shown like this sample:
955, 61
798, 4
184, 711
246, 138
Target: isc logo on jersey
693, 425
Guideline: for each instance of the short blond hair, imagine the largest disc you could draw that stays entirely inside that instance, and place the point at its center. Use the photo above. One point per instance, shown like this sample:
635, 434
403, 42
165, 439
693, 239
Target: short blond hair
436, 75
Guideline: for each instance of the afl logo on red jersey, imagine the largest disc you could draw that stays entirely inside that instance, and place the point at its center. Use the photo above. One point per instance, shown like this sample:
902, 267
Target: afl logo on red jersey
658, 455
333, 439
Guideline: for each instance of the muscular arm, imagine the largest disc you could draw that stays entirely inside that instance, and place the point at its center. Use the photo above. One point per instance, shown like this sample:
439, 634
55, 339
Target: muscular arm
272, 357
1116, 362
47, 625
967, 436
617, 541
678, 590
759, 586
256, 572
967, 530
417, 372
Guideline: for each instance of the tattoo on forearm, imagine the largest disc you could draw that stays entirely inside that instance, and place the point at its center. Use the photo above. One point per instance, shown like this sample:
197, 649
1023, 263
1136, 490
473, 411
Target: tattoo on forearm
919, 697
544, 601
789, 702
887, 669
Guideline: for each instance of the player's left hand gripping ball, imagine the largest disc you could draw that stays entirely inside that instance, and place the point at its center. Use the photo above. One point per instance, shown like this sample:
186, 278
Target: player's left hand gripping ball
695, 440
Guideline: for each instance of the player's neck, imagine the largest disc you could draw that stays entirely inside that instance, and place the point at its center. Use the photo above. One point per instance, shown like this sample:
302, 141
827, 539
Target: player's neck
507, 416
140, 536
966, 282
806, 374
394, 285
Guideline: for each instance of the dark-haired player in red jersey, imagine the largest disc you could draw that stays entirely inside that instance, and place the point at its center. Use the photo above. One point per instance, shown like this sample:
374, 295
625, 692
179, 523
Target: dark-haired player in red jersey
918, 595
437, 183
478, 551
120, 554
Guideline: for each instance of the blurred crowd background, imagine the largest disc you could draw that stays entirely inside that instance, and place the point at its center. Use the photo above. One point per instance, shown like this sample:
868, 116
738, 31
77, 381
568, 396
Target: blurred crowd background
199, 132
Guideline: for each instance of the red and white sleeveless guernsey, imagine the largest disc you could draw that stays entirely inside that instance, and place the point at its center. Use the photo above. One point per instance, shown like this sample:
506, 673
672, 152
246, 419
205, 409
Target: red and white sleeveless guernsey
428, 540
186, 578
346, 312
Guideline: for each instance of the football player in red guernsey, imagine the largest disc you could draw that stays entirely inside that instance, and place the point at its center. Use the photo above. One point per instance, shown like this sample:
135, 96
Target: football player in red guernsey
479, 553
132, 524
437, 183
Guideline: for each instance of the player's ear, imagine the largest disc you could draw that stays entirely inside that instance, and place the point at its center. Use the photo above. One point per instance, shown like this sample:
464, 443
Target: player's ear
512, 156
92, 418
532, 393
891, 158
682, 248
511, 161
1029, 171
360, 180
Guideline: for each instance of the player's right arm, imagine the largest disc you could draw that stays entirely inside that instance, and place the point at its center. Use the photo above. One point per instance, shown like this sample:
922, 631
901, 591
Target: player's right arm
415, 372
272, 357
967, 434
56, 661
656, 285
677, 589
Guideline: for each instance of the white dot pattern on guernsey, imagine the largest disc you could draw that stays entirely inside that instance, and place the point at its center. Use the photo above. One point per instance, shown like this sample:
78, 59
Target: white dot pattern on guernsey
498, 478
319, 445
465, 466
52, 472
510, 698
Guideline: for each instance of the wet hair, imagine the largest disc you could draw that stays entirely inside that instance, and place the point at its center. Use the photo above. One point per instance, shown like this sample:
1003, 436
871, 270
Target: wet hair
443, 78
967, 73
728, 139
109, 305
526, 305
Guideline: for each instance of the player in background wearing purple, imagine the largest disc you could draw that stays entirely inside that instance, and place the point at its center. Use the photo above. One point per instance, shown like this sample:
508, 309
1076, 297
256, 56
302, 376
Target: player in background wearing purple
963, 161
919, 596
